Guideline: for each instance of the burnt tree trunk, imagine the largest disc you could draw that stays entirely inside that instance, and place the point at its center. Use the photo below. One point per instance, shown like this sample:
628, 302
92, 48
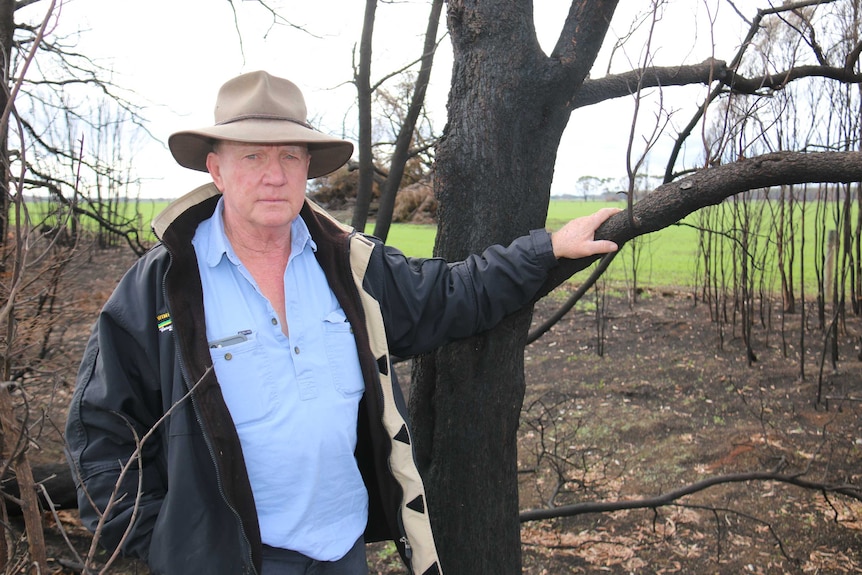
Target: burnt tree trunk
7, 32
508, 106
362, 79
389, 188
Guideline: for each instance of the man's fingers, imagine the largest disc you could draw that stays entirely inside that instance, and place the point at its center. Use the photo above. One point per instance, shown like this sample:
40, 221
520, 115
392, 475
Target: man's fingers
604, 214
604, 246
576, 238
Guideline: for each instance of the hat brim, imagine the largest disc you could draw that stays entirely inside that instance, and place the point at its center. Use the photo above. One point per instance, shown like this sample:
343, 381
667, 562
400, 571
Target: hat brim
190, 147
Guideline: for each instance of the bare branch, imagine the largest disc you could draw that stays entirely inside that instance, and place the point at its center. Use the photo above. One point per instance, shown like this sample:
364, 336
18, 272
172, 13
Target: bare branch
134, 459
670, 497
626, 84
673, 201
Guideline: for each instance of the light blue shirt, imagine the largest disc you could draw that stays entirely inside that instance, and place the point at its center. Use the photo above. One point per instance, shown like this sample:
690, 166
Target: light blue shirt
294, 400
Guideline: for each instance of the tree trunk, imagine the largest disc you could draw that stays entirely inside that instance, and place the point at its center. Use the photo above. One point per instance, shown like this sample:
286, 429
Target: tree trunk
7, 31
14, 459
363, 91
15, 452
507, 111
390, 187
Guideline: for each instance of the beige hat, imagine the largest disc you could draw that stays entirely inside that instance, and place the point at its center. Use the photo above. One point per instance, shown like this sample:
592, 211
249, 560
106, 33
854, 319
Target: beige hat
260, 108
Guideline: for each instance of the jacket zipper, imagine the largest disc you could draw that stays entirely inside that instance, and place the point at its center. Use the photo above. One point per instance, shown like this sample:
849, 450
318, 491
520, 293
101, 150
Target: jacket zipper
408, 551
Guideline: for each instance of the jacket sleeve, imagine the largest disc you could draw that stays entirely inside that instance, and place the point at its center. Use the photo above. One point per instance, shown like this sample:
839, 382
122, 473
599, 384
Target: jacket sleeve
117, 400
429, 302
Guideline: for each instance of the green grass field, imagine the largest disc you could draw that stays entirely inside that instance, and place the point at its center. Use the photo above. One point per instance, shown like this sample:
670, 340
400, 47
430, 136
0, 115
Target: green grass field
665, 258
669, 257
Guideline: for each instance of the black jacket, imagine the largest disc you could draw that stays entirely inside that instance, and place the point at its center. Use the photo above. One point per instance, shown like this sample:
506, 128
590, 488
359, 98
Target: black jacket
147, 367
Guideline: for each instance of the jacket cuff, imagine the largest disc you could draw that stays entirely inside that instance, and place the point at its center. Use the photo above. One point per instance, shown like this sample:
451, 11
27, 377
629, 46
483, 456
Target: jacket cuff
543, 248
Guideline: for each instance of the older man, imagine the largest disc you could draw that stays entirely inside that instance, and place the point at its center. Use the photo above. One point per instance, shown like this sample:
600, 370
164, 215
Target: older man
263, 328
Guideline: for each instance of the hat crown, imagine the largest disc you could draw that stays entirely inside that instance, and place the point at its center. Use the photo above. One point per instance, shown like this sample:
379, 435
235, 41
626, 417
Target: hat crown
259, 108
259, 95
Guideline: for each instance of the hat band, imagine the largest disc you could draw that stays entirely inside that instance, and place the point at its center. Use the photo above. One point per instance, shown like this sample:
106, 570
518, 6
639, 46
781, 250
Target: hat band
263, 117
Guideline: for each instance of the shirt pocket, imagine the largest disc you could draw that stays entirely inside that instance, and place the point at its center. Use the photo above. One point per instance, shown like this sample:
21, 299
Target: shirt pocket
239, 364
342, 355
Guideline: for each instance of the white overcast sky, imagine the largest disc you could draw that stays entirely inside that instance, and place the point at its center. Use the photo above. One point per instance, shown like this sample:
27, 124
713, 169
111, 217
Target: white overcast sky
175, 54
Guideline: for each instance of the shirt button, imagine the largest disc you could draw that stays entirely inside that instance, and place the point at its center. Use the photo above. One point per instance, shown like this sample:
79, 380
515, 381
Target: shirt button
274, 321
296, 350
228, 356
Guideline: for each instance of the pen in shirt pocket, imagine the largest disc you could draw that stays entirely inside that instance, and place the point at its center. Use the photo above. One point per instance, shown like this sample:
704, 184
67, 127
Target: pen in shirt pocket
240, 337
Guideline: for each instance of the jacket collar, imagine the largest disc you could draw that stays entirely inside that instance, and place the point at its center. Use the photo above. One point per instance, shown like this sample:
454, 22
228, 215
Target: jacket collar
166, 217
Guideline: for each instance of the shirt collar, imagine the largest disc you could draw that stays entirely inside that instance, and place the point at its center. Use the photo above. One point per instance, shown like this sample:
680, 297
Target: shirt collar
219, 245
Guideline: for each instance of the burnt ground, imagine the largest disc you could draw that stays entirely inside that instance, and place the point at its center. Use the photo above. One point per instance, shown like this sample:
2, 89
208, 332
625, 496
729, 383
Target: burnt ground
667, 403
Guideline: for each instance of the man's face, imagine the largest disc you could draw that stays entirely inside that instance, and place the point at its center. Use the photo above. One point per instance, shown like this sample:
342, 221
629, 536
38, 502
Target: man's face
263, 184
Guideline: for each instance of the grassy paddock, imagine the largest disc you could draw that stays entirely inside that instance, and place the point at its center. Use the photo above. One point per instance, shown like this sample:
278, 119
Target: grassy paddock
665, 258
677, 246
670, 257
44, 213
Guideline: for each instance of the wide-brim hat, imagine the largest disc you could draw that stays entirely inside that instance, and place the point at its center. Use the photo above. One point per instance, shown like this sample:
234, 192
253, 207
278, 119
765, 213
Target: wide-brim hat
258, 108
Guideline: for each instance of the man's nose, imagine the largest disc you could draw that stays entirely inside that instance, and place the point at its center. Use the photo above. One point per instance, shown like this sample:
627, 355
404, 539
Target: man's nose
274, 171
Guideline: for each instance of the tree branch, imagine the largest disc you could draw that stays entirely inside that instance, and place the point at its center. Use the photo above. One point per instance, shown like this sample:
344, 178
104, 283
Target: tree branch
671, 496
673, 201
626, 84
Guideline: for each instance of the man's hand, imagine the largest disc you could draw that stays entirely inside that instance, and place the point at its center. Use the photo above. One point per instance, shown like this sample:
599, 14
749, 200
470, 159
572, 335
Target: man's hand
576, 239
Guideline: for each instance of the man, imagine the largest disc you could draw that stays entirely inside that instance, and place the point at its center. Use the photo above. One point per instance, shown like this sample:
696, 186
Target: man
255, 339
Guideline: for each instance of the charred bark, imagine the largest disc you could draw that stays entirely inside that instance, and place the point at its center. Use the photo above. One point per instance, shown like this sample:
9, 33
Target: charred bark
508, 107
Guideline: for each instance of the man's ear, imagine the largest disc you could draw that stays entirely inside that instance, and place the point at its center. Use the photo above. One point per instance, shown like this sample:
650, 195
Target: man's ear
214, 168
